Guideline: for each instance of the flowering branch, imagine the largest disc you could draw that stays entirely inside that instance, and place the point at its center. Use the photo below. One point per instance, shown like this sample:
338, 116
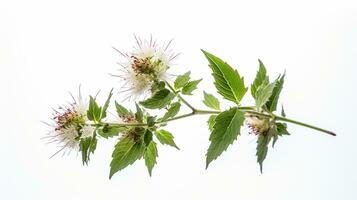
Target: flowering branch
79, 125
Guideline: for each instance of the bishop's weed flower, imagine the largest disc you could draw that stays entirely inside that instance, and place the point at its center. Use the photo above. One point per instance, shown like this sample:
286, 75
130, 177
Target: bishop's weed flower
257, 125
145, 65
69, 125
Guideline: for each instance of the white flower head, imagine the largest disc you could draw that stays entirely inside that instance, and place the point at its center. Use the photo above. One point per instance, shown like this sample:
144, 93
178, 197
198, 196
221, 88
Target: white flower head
146, 64
257, 125
69, 125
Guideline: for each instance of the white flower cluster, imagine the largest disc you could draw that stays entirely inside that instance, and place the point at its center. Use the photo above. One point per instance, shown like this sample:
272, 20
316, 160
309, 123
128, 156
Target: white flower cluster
143, 66
69, 126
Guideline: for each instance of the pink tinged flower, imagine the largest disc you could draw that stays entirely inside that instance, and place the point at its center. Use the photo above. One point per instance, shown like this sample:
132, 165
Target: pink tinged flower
146, 63
257, 125
70, 124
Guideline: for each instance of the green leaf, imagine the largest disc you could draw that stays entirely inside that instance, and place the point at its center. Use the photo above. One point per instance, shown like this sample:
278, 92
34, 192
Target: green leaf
83, 148
263, 94
126, 152
150, 121
172, 111
106, 105
273, 100
280, 130
182, 80
121, 110
150, 156
86, 147
147, 137
94, 111
93, 145
190, 87
165, 137
157, 85
225, 130
211, 101
110, 131
211, 122
262, 148
139, 115
159, 100
227, 80
260, 78
283, 111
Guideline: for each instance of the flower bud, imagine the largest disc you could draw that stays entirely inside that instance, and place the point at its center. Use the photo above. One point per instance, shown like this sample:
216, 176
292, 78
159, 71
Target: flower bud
257, 125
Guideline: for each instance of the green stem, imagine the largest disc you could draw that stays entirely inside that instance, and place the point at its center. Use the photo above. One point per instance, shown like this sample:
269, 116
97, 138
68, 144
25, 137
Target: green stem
246, 109
180, 97
209, 112
185, 102
258, 114
305, 125
201, 112
117, 124
177, 117
291, 121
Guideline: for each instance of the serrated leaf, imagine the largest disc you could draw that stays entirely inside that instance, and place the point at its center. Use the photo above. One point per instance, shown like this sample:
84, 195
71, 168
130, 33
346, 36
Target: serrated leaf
147, 137
110, 131
83, 148
211, 101
126, 152
86, 147
93, 144
157, 85
165, 137
225, 130
159, 100
283, 111
273, 100
211, 122
227, 80
139, 115
172, 111
280, 129
150, 156
260, 78
94, 111
150, 121
262, 149
121, 110
275, 138
106, 105
182, 80
190, 87
263, 94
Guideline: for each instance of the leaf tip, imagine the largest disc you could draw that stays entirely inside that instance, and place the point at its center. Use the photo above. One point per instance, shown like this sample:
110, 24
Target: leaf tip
111, 175
261, 167
208, 161
205, 53
332, 133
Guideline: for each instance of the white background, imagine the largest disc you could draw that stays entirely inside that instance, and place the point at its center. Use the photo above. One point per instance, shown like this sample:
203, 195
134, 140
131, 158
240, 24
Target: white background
49, 48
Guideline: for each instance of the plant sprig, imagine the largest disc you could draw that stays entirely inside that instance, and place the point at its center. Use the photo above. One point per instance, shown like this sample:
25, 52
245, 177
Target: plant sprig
139, 132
